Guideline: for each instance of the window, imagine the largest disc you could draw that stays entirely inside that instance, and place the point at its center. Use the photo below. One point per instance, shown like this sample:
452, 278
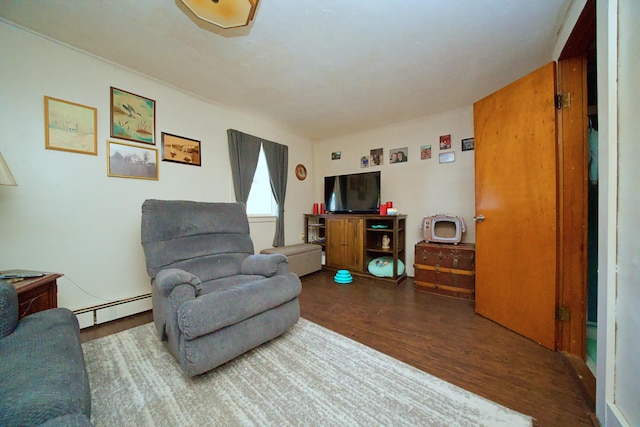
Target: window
261, 201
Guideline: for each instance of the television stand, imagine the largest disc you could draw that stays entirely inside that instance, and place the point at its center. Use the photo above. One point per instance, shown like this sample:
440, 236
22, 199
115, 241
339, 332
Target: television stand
351, 241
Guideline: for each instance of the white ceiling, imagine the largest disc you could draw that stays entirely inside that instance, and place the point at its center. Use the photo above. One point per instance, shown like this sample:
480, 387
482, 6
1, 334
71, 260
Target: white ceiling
319, 68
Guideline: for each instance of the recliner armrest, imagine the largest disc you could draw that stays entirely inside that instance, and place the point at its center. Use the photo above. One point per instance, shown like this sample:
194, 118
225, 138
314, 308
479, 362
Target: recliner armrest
8, 309
168, 279
267, 265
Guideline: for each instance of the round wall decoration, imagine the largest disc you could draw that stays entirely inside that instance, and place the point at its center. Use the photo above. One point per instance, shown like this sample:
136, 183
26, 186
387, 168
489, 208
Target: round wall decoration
301, 172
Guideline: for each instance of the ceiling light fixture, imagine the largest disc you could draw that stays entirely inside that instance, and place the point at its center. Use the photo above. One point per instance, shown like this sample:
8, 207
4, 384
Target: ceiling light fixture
223, 13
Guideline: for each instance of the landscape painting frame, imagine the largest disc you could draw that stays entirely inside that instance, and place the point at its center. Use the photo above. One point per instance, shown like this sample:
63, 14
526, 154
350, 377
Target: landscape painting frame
131, 161
70, 126
178, 149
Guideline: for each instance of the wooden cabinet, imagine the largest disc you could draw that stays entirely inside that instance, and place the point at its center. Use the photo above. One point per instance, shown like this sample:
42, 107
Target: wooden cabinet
445, 269
345, 244
351, 241
37, 293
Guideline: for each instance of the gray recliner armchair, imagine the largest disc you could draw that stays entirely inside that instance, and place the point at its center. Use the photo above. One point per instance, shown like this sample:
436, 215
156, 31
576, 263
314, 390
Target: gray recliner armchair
213, 299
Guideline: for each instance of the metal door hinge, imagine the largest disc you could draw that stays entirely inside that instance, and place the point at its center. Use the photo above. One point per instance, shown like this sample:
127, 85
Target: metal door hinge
563, 100
564, 314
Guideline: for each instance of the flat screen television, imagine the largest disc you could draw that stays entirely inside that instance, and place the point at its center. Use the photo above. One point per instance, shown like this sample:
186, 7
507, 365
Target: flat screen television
357, 193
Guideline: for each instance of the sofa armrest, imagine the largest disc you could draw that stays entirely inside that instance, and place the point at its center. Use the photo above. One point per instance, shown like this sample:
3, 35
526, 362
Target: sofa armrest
8, 309
267, 265
168, 279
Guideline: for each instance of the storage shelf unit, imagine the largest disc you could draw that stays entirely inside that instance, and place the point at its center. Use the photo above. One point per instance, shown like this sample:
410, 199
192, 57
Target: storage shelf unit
351, 241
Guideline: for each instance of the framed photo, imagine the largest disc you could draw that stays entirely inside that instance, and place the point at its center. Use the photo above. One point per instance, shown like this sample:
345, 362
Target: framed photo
133, 117
448, 157
445, 142
70, 127
425, 152
179, 149
467, 144
375, 157
336, 155
364, 161
398, 155
131, 161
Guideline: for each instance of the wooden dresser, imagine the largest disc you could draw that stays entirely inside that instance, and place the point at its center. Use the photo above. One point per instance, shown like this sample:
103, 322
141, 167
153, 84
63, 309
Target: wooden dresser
445, 269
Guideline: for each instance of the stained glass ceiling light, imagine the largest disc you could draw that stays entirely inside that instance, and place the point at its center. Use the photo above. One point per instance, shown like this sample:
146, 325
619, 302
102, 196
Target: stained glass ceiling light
223, 13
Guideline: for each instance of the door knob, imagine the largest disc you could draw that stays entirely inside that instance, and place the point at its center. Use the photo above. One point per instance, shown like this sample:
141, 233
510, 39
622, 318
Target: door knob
478, 218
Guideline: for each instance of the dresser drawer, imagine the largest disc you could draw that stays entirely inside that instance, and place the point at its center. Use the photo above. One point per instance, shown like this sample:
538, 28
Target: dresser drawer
460, 257
445, 281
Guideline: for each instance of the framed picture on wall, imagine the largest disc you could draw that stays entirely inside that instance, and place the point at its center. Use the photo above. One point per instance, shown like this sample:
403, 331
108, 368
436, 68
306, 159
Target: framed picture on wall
398, 155
467, 144
70, 127
375, 156
425, 152
131, 161
448, 157
133, 117
179, 149
445, 142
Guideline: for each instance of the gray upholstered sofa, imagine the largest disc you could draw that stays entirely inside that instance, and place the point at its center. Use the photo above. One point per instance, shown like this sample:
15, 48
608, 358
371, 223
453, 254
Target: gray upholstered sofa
213, 299
43, 379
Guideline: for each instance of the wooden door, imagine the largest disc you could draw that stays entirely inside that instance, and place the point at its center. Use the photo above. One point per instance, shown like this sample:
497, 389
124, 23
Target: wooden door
345, 243
573, 146
516, 192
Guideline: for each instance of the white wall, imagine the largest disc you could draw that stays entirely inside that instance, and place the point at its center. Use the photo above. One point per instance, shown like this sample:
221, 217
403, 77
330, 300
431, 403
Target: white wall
66, 215
417, 187
627, 316
618, 372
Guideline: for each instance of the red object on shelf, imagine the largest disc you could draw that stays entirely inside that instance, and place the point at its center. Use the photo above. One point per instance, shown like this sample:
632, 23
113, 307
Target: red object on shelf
383, 209
389, 204
322, 208
315, 209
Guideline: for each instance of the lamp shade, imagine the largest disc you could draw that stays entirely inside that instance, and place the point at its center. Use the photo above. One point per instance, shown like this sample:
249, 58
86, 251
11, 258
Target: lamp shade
223, 13
6, 178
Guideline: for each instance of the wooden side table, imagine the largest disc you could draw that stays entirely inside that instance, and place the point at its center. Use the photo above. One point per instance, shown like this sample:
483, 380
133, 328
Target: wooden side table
37, 293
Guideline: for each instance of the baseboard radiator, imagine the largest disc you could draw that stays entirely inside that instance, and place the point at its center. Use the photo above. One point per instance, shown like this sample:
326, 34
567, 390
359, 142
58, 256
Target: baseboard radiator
95, 308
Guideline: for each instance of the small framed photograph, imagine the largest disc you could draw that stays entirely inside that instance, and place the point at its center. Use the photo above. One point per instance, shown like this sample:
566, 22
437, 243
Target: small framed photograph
336, 155
448, 157
364, 161
131, 161
425, 152
398, 155
133, 117
375, 157
70, 127
179, 149
445, 142
467, 144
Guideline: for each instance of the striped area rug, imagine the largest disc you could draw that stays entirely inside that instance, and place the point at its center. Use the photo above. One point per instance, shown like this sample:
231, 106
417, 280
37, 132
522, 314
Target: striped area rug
310, 376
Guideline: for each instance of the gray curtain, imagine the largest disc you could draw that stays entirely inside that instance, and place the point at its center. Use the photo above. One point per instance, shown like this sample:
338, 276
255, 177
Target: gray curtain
277, 156
244, 151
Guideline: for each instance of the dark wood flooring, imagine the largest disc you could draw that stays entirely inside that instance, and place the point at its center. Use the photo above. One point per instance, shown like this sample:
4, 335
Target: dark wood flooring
441, 336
